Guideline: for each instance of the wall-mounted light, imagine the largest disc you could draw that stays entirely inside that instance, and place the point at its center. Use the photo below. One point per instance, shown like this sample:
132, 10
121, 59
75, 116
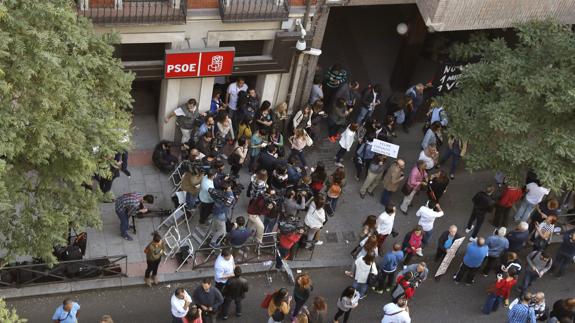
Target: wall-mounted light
402, 28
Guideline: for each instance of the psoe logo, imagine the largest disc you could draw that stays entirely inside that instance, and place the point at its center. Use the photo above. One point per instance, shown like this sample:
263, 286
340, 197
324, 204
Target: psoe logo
217, 64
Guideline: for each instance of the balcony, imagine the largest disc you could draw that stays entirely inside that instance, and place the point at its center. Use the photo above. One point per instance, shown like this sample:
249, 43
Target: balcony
133, 12
254, 10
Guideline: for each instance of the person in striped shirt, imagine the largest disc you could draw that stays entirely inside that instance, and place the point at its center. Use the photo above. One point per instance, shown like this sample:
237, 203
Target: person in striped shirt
522, 312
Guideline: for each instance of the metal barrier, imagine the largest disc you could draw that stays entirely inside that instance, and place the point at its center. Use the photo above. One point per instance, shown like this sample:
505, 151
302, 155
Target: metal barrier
204, 256
133, 11
254, 10
64, 271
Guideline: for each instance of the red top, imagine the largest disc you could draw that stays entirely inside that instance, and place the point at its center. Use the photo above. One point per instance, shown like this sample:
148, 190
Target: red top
288, 240
408, 290
258, 207
510, 196
503, 287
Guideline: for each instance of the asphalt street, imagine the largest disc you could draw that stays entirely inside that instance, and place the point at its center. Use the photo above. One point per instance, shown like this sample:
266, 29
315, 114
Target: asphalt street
434, 301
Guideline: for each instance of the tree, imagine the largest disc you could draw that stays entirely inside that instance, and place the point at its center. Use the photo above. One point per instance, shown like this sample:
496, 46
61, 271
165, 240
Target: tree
9, 315
516, 104
64, 107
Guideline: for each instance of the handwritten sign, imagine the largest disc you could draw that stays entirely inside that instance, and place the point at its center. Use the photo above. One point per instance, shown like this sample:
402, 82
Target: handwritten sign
385, 148
446, 78
449, 257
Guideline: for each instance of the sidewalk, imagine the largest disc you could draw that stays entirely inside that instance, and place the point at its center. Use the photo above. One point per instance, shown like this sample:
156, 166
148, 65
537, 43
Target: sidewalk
339, 234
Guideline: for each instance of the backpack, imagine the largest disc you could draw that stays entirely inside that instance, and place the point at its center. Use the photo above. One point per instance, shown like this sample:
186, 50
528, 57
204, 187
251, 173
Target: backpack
278, 316
334, 191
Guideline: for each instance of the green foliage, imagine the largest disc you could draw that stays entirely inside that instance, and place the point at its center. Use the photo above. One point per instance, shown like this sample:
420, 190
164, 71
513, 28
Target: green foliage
9, 315
61, 94
516, 106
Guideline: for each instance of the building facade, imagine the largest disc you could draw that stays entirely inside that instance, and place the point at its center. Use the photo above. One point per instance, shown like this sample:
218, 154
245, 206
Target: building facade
264, 35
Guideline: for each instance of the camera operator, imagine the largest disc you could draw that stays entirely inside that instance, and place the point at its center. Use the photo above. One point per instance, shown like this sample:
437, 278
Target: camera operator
163, 158
206, 144
279, 179
221, 176
209, 126
263, 205
294, 202
224, 200
273, 202
191, 185
208, 162
293, 171
206, 201
268, 159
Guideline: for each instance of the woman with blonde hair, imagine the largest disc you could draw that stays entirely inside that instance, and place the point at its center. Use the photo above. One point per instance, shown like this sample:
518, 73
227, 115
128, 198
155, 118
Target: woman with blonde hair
298, 142
301, 292
280, 116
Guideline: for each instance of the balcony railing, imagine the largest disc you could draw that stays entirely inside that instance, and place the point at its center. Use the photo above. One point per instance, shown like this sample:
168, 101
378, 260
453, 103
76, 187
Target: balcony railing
253, 10
129, 12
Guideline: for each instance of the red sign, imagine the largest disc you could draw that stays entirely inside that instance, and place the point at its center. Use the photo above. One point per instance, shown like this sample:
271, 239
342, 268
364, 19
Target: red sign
199, 62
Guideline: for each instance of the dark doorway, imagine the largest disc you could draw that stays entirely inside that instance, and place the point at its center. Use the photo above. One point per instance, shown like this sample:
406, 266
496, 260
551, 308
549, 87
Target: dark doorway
146, 96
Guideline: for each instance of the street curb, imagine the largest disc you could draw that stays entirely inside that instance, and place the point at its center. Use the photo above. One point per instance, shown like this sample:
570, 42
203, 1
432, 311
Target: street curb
121, 282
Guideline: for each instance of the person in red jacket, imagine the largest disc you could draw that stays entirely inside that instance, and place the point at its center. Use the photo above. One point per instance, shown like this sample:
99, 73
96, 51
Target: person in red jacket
405, 287
499, 293
286, 242
510, 195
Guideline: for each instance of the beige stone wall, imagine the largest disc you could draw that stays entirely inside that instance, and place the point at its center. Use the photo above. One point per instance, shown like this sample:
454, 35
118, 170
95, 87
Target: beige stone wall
444, 15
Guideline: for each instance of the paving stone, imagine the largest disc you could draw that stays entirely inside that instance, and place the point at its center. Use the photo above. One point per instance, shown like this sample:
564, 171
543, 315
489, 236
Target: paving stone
152, 183
349, 236
331, 237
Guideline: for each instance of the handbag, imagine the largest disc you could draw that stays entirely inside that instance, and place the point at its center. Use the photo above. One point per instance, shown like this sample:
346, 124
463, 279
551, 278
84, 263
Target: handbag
405, 189
308, 140
266, 302
371, 277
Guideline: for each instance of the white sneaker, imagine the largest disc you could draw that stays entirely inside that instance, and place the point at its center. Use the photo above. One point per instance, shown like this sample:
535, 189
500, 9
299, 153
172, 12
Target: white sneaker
472, 239
469, 230
318, 243
419, 253
338, 164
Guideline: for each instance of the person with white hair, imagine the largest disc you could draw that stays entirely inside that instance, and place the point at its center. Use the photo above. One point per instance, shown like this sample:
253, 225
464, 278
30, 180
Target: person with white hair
497, 244
518, 237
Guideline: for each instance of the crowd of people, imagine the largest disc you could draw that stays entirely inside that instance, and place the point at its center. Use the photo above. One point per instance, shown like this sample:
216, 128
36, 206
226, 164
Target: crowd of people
295, 198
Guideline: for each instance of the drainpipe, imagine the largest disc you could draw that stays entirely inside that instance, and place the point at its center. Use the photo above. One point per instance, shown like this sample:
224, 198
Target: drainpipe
298, 61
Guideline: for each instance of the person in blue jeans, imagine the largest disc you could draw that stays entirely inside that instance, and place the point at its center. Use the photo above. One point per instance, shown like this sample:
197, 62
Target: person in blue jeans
363, 267
67, 312
456, 150
499, 292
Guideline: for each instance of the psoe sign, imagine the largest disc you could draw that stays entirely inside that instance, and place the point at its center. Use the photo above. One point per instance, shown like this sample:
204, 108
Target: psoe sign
182, 63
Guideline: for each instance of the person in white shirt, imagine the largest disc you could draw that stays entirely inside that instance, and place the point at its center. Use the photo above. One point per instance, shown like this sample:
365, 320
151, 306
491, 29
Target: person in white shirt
314, 220
363, 267
232, 98
384, 224
180, 302
396, 313
427, 215
223, 268
535, 194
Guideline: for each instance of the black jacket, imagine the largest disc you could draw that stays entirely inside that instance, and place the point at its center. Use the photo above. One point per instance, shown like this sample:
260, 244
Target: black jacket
237, 287
482, 203
268, 162
213, 298
443, 238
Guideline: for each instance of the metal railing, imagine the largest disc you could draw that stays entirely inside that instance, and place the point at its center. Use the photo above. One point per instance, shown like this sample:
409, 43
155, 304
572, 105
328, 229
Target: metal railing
129, 12
254, 10
65, 271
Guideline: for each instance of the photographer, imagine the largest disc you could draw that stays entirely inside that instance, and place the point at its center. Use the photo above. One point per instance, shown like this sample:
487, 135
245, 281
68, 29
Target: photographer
224, 200
268, 159
206, 144
191, 185
294, 202
279, 178
163, 158
293, 171
273, 208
